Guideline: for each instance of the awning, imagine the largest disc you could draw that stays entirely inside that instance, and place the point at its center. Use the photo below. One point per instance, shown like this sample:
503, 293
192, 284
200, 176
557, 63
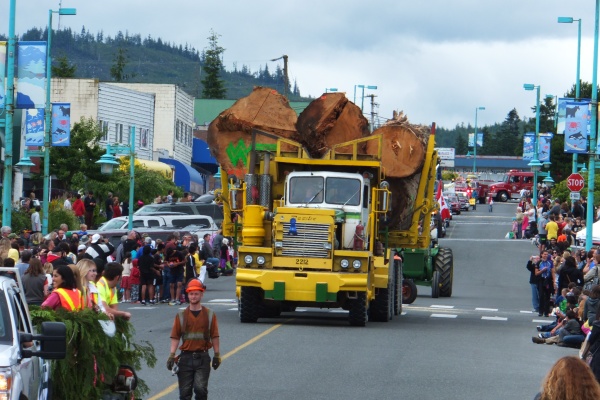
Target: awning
186, 177
201, 156
163, 168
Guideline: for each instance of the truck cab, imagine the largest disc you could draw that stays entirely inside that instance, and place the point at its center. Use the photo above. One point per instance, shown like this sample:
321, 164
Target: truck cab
511, 186
24, 355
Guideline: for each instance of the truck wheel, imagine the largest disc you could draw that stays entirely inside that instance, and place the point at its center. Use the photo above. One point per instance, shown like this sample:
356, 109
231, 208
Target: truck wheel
397, 287
357, 312
503, 196
409, 291
444, 264
435, 285
249, 304
382, 308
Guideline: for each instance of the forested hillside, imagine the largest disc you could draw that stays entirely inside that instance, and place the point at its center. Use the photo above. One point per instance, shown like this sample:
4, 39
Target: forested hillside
153, 60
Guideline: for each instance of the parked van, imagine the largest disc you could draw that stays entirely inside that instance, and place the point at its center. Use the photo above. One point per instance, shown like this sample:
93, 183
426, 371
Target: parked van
190, 208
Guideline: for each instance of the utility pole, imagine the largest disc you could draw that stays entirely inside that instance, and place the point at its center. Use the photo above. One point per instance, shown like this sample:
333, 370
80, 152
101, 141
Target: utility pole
373, 104
286, 77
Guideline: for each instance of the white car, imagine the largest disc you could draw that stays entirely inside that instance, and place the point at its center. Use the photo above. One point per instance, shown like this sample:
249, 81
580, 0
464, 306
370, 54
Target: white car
581, 235
160, 221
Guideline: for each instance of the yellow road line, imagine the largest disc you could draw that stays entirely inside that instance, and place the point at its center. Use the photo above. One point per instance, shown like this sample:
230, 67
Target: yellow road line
226, 356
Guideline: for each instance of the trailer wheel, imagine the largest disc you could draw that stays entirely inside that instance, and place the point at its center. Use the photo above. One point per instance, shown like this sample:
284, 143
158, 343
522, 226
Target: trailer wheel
435, 285
357, 311
409, 291
397, 287
444, 264
249, 304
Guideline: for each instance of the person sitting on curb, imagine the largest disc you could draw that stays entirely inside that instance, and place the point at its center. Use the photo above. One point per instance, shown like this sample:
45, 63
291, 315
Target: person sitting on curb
570, 326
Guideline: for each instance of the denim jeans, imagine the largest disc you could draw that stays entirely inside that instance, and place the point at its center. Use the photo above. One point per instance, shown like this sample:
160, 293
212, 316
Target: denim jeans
535, 297
194, 371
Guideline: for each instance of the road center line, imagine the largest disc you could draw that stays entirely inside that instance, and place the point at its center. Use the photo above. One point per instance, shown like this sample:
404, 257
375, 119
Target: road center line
226, 356
443, 316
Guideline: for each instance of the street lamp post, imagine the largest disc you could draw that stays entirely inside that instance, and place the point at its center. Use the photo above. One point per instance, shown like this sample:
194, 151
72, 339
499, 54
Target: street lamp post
362, 103
107, 163
8, 121
570, 20
475, 140
593, 136
535, 164
48, 119
331, 90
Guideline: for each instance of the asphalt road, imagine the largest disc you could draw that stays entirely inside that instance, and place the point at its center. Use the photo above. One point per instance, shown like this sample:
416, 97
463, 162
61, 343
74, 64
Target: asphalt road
474, 345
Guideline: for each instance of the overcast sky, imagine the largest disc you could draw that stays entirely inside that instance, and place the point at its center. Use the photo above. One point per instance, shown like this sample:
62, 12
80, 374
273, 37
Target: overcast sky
435, 59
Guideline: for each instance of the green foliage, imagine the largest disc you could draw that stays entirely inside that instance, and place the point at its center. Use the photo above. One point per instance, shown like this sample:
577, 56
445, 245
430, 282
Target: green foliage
461, 145
57, 215
117, 71
449, 175
64, 69
91, 354
213, 87
561, 191
20, 220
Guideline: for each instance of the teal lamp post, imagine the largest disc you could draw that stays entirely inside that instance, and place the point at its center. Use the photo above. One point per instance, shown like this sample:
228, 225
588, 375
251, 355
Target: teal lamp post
108, 162
593, 137
9, 97
535, 164
331, 90
48, 118
570, 20
475, 140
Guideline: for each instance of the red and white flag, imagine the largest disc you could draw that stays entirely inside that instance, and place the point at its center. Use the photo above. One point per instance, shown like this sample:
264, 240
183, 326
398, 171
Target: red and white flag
444, 210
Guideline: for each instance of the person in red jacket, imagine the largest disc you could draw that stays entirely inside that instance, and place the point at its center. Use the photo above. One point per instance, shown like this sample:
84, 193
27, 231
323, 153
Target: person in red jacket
79, 208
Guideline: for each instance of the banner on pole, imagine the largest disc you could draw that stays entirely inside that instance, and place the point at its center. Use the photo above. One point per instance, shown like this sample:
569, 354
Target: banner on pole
479, 139
31, 72
2, 73
528, 141
61, 124
574, 122
544, 146
34, 127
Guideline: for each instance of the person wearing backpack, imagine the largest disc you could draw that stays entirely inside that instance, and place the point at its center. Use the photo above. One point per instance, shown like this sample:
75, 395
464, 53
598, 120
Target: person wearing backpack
197, 329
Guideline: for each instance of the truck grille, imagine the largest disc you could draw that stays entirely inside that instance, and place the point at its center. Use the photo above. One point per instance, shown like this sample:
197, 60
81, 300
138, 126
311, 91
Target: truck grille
309, 241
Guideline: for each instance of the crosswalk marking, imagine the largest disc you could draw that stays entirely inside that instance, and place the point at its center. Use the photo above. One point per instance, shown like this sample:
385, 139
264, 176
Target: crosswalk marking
487, 309
494, 318
443, 316
444, 307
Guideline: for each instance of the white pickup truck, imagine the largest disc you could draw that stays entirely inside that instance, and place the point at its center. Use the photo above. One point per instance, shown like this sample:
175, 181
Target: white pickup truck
24, 355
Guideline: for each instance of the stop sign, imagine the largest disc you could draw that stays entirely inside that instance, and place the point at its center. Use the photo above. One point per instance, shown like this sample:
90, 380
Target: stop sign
575, 182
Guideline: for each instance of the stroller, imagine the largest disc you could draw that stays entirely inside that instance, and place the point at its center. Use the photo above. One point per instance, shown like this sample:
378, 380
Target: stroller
212, 270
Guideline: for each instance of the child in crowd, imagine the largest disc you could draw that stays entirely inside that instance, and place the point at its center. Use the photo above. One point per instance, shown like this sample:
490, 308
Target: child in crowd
134, 281
125, 280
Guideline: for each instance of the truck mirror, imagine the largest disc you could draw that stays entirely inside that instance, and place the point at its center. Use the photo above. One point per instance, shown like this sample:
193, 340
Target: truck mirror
53, 341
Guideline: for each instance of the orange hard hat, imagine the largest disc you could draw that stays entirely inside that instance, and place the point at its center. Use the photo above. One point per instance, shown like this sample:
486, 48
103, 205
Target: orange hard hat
194, 285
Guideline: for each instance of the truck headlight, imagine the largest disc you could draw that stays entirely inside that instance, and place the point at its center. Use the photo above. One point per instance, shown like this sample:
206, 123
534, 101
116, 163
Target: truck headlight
248, 259
260, 260
5, 380
327, 246
278, 245
356, 264
344, 263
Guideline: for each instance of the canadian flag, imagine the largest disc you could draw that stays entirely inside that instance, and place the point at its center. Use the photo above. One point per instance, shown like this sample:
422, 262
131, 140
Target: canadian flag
444, 210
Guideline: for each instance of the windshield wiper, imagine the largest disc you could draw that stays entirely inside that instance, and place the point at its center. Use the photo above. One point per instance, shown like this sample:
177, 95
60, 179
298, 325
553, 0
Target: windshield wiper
355, 193
312, 198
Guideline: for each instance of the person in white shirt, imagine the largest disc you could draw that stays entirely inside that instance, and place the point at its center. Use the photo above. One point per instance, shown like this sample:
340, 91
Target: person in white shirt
36, 223
67, 204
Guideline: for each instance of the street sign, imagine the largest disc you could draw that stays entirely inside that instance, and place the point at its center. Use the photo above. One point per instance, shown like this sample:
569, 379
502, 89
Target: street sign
575, 196
575, 182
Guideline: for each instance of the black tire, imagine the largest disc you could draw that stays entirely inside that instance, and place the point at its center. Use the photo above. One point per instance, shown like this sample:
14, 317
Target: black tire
458, 212
249, 304
397, 287
357, 311
502, 196
444, 264
435, 284
382, 308
409, 291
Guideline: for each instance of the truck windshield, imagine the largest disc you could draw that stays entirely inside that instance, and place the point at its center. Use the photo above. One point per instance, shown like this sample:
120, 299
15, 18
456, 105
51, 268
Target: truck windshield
306, 189
6, 336
344, 191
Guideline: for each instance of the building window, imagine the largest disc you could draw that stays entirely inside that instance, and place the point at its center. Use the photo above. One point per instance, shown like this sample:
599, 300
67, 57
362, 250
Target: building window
144, 138
177, 130
119, 133
104, 129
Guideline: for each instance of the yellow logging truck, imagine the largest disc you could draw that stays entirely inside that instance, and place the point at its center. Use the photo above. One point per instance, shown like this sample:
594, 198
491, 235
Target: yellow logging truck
311, 232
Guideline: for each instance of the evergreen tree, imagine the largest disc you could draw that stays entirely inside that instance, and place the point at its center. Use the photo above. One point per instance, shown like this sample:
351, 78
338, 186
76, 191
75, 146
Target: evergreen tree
213, 85
508, 143
117, 70
461, 145
64, 69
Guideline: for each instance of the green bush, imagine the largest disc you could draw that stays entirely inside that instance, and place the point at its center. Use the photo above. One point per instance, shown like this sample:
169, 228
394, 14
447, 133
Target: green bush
20, 220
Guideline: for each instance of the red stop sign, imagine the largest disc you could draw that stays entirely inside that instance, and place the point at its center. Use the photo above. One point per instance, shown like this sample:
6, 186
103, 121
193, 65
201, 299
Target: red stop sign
575, 182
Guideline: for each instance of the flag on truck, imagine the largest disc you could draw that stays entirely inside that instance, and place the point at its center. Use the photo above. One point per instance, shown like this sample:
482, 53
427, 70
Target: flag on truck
444, 211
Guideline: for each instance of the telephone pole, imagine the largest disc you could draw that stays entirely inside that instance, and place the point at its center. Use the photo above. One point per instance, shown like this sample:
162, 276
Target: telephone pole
373, 105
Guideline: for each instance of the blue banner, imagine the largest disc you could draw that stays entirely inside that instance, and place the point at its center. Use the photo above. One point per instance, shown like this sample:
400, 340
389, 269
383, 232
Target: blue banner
574, 122
31, 70
2, 73
34, 127
479, 139
528, 141
61, 124
544, 146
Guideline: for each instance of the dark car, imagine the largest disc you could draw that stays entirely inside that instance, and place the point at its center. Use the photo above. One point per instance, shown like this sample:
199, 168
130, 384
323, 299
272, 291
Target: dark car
454, 205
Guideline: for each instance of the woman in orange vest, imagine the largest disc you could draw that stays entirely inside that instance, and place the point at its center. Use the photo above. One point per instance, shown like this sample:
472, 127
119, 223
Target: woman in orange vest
65, 293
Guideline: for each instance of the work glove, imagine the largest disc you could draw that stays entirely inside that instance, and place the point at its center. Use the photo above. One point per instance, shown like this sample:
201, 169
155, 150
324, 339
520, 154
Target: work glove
171, 361
216, 361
